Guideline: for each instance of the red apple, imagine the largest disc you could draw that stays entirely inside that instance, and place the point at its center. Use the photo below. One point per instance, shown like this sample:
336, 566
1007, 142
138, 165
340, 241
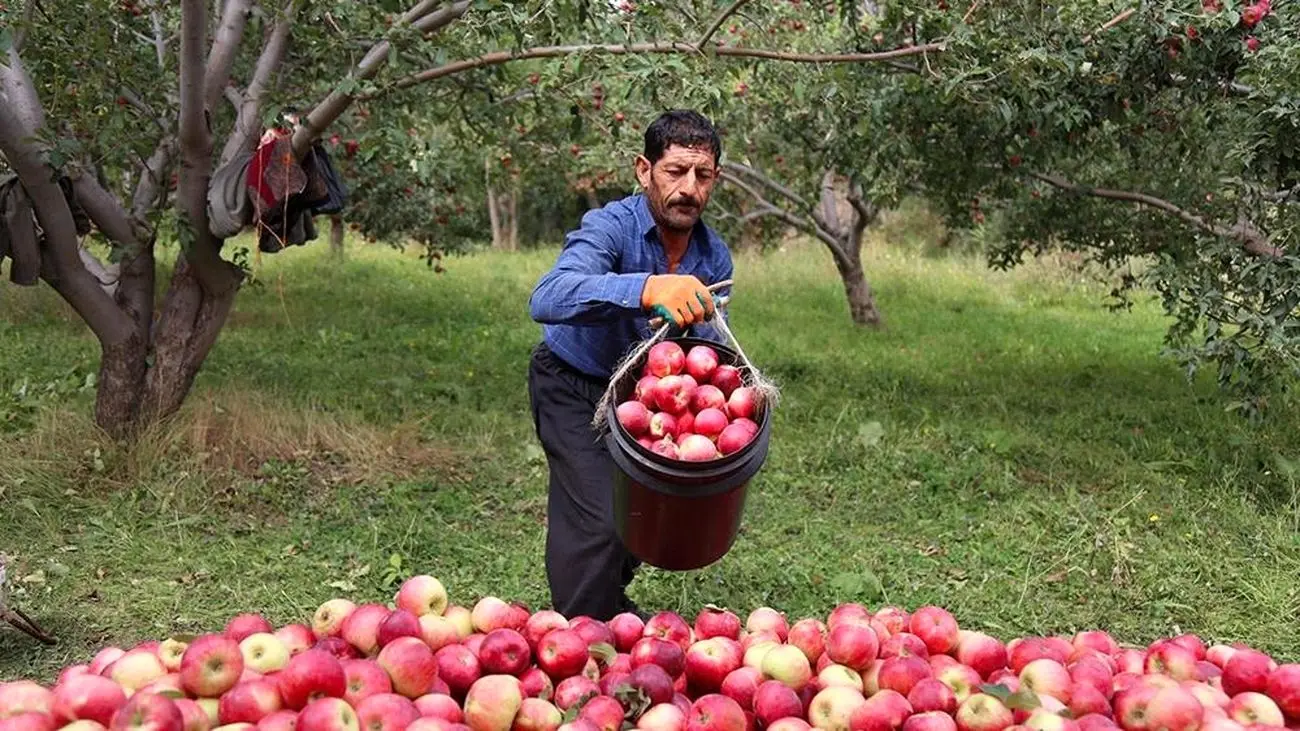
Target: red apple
504, 652
701, 362
654, 682
717, 622
741, 684
105, 657
669, 626
1219, 654
727, 378
604, 711
1247, 670
881, 712
492, 612
774, 700
536, 714
437, 705
981, 652
148, 712
931, 694
361, 628
336, 646
852, 644
296, 637
1174, 709
328, 714
138, 667
535, 683
540, 623
769, 620
733, 438
1096, 722
708, 396
211, 665
716, 712
1132, 706
571, 690
197, 719
364, 678
902, 644
627, 628
27, 696
410, 664
386, 712
1046, 676
809, 635
249, 702
1250, 708
399, 623
33, 721
742, 403
634, 416
645, 390
1174, 660
673, 394
930, 721
492, 703
982, 712
847, 612
1086, 699
1095, 640
662, 717
1129, 660
243, 625
420, 595
936, 627
710, 422
329, 617
708, 662
86, 696
665, 358
790, 723
458, 667
310, 675
1283, 687
562, 653
1028, 649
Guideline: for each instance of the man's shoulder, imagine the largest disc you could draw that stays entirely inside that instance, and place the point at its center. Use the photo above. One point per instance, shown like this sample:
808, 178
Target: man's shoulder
623, 212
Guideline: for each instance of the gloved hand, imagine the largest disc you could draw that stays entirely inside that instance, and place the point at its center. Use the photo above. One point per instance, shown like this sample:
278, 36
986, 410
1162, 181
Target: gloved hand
681, 298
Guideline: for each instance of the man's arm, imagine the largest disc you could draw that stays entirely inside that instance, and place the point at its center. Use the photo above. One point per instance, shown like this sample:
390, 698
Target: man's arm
582, 287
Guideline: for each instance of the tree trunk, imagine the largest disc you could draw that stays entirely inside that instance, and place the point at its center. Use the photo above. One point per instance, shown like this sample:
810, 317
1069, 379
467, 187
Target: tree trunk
513, 241
862, 299
337, 229
593, 200
122, 371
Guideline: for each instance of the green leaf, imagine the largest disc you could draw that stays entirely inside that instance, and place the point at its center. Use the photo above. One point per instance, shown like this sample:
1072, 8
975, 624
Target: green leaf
184, 637
1022, 700
603, 652
999, 691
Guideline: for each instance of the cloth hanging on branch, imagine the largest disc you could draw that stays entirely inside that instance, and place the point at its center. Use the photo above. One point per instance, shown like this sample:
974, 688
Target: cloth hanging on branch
21, 236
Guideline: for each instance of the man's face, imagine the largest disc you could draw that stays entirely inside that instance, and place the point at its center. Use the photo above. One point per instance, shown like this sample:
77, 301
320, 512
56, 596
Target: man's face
678, 185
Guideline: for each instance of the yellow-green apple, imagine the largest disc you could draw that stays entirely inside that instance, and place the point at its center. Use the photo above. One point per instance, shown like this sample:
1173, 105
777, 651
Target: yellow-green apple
105, 657
965, 680
902, 644
25, 696
1174, 709
833, 707
210, 707
741, 684
1250, 708
654, 682
361, 628
1284, 688
1247, 670
136, 669
410, 664
86, 725
1048, 677
713, 621
662, 717
881, 712
809, 635
787, 664
309, 676
328, 714
936, 627
1044, 720
852, 644
749, 639
665, 653
148, 712
535, 683
604, 711
386, 712
669, 626
264, 652
847, 612
775, 700
249, 702
792, 723
365, 678
1174, 660
296, 637
930, 721
461, 618
573, 689
85, 697
504, 652
439, 705
421, 595
170, 652
540, 623
627, 628
716, 712
243, 625
398, 623
932, 694
840, 675
767, 618
982, 652
281, 720
982, 712
536, 714
562, 653
492, 702
753, 657
211, 665
871, 677
329, 617
1219, 654
901, 674
437, 631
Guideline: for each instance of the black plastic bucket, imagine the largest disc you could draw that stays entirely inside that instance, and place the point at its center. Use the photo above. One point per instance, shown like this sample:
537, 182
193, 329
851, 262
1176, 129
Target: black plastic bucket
678, 515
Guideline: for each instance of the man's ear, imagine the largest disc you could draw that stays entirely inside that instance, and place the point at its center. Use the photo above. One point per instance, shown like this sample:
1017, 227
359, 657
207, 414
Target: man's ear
643, 171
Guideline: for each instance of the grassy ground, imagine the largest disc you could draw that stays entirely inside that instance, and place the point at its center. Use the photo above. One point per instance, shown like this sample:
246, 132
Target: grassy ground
1006, 448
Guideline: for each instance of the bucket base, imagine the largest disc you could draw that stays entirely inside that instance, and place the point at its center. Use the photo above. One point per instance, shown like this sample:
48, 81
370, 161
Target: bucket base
677, 533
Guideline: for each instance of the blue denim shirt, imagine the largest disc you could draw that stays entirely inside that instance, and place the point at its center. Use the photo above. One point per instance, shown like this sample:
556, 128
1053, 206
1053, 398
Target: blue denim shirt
589, 303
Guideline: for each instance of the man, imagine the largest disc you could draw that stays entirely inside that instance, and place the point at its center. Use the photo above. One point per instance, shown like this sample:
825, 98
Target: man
644, 256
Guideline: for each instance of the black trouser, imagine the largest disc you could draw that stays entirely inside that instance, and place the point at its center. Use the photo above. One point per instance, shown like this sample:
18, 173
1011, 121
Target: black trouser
586, 565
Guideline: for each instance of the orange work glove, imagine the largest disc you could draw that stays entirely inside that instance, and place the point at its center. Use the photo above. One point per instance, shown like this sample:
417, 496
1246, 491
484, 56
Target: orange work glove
681, 298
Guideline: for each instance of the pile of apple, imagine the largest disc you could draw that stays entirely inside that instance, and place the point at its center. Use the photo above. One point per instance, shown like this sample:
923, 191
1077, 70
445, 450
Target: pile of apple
424, 664
688, 406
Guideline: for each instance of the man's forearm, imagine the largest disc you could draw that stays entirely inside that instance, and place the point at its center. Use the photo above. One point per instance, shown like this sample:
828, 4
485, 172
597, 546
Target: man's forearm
577, 298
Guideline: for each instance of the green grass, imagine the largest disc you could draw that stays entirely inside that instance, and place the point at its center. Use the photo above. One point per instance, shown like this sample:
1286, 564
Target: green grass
1006, 448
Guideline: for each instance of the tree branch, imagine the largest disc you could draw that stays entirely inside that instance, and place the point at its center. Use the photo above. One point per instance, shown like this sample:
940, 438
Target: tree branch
149, 189
17, 87
803, 224
224, 48
1120, 18
159, 40
60, 261
771, 184
722, 18
1252, 239
829, 213
324, 114
497, 58
247, 128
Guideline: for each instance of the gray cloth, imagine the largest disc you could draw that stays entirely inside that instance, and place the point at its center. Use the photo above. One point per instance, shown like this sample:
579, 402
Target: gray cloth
229, 208
18, 232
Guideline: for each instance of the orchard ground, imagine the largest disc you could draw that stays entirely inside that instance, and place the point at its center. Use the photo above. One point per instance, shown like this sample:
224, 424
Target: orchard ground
1007, 449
